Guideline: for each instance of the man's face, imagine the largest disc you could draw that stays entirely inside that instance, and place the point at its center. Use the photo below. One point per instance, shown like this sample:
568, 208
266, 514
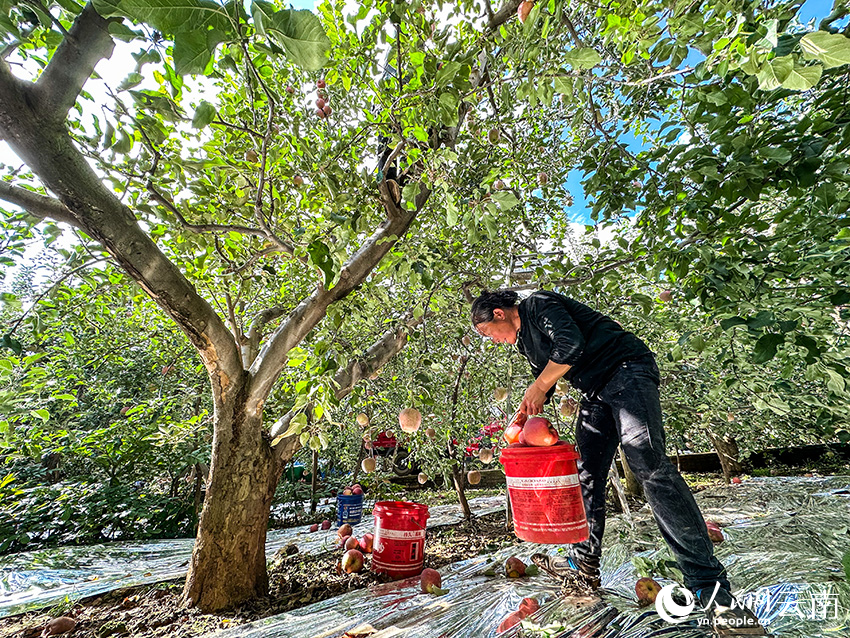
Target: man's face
500, 330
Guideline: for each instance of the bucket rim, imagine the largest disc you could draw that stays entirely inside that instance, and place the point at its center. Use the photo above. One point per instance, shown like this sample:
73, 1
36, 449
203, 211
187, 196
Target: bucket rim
393, 507
559, 449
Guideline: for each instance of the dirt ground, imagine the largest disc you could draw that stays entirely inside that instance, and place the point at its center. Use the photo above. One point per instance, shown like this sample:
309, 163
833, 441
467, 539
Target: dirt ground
295, 581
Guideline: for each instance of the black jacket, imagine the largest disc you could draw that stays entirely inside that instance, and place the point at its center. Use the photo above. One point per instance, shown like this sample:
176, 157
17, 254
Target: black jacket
556, 328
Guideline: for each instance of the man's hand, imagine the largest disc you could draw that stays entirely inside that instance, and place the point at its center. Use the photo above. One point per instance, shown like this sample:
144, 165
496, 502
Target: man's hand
533, 400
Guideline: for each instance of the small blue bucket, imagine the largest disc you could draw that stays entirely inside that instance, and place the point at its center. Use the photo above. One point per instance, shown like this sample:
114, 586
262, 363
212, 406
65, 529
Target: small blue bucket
349, 509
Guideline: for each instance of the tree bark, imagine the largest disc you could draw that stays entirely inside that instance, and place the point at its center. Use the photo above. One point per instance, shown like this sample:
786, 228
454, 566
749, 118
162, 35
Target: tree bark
728, 453
228, 564
458, 480
633, 487
314, 481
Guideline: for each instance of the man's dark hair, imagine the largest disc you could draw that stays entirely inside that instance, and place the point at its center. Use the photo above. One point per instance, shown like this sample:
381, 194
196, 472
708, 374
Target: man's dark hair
487, 302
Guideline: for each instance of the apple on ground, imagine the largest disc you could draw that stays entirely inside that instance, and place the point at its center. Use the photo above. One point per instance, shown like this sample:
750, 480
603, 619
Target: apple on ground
714, 532
314, 527
352, 561
514, 567
529, 605
57, 626
430, 582
344, 530
646, 589
366, 543
736, 480
342, 540
511, 620
326, 524
352, 542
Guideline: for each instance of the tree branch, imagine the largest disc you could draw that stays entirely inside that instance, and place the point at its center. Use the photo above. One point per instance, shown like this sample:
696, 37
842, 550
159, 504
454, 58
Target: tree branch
87, 43
505, 13
378, 355
38, 205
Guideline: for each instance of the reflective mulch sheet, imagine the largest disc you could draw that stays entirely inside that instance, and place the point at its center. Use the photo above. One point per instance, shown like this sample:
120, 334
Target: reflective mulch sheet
33, 580
785, 538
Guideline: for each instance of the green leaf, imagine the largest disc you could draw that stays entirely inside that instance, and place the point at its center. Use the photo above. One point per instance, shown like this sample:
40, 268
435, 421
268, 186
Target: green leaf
803, 78
12, 344
845, 563
193, 50
582, 58
320, 256
833, 49
775, 72
300, 34
204, 114
731, 322
765, 348
505, 199
169, 16
41, 413
776, 153
132, 79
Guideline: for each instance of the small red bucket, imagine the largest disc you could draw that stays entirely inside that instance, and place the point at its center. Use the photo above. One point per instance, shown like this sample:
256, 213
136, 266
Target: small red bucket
545, 493
399, 545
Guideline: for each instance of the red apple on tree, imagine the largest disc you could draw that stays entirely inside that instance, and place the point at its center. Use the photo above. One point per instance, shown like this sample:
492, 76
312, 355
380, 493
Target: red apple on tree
321, 84
524, 9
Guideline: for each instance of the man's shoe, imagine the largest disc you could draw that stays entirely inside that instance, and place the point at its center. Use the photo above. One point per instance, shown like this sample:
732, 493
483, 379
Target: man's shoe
576, 575
727, 616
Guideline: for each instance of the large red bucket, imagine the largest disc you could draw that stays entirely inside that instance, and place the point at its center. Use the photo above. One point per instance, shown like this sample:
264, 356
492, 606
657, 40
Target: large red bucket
545, 493
399, 545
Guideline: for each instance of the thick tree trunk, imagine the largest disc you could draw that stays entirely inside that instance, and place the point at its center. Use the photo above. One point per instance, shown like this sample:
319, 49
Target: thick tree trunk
728, 453
228, 564
633, 487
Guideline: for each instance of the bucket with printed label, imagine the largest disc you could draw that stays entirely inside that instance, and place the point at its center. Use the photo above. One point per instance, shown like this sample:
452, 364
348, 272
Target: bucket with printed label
349, 509
399, 545
545, 493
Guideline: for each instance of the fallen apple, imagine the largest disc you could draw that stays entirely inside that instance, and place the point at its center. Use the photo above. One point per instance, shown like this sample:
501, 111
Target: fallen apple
342, 540
646, 589
366, 543
352, 561
736, 480
514, 567
344, 530
352, 542
511, 620
529, 605
429, 580
326, 524
715, 534
367, 465
410, 419
60, 625
314, 527
473, 477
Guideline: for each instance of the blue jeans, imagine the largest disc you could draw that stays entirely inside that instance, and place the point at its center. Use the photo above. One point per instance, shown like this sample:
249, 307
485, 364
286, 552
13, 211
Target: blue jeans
627, 411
